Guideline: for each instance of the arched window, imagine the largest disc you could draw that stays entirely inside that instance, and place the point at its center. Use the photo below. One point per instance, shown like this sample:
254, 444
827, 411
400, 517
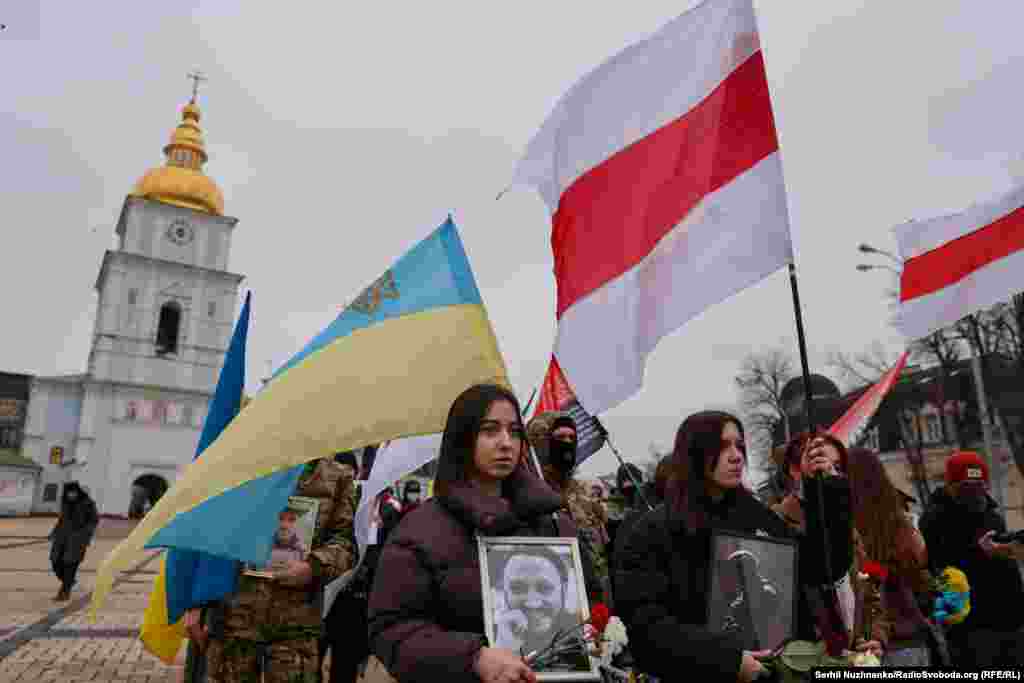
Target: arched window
167, 328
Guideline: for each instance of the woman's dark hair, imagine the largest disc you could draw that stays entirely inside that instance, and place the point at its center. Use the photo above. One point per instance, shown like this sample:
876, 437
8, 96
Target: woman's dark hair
795, 448
698, 447
458, 443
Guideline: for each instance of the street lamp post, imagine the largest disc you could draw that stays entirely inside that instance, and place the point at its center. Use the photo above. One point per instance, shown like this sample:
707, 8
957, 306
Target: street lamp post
995, 462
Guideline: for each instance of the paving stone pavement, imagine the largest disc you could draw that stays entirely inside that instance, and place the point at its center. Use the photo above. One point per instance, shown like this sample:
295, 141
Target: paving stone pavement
41, 640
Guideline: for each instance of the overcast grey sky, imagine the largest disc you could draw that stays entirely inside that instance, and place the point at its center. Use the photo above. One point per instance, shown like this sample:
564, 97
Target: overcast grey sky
343, 133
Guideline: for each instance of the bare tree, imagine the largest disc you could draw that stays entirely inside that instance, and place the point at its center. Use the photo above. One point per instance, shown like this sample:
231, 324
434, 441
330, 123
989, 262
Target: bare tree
945, 349
861, 368
990, 333
760, 381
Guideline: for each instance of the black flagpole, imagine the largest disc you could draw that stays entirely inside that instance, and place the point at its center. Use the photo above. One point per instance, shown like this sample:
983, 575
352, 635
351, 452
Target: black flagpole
809, 417
802, 343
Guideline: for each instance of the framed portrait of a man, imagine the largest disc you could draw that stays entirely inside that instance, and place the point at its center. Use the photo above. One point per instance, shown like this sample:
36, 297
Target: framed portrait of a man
533, 591
752, 589
293, 538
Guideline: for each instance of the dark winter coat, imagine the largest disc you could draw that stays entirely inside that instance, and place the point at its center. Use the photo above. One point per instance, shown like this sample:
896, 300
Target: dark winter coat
661, 582
426, 611
952, 533
75, 527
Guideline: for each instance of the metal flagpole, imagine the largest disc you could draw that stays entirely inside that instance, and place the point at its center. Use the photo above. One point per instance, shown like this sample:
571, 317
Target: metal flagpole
809, 417
526, 410
802, 343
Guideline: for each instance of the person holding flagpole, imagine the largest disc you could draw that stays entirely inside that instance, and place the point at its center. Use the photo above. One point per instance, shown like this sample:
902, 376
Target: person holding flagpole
805, 456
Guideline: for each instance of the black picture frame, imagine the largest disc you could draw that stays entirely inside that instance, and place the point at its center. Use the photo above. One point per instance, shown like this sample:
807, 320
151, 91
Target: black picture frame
753, 588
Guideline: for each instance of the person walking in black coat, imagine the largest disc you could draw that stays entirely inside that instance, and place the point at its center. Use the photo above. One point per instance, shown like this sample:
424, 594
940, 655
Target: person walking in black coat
71, 536
661, 577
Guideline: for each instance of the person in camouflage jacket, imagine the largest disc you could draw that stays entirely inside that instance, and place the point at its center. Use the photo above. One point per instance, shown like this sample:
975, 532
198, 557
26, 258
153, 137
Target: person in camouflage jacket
269, 630
552, 435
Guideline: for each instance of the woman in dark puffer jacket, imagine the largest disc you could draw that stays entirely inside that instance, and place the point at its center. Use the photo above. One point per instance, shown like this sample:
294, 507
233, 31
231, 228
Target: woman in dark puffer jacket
661, 578
426, 610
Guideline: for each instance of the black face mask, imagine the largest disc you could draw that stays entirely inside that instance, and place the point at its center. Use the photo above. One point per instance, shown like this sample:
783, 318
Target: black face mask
562, 455
974, 504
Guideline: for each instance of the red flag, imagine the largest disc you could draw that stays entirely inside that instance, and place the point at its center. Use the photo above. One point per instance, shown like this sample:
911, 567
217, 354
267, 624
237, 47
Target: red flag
556, 394
849, 427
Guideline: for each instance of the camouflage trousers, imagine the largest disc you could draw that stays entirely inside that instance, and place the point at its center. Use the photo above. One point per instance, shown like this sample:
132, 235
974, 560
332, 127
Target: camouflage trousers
236, 660
270, 634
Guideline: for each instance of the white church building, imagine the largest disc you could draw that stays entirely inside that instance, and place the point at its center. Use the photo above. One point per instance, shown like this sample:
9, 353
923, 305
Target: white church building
164, 318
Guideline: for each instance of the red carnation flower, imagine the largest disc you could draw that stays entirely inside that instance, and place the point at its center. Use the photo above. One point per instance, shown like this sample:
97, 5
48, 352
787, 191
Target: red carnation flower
876, 570
599, 617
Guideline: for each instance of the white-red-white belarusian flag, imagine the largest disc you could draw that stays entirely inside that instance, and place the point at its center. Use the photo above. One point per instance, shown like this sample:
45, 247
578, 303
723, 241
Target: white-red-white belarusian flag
661, 170
957, 264
850, 426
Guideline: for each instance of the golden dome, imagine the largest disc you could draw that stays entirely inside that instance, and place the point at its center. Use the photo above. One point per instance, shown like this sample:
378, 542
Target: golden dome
181, 181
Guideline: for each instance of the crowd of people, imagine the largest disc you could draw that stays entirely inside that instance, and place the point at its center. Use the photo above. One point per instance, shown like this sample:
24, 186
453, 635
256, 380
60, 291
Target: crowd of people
414, 611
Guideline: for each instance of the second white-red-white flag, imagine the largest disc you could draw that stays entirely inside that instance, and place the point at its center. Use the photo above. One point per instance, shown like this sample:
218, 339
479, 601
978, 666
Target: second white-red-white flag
662, 173
957, 264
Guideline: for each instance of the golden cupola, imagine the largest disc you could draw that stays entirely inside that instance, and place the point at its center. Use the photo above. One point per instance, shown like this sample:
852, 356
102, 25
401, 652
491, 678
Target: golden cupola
181, 181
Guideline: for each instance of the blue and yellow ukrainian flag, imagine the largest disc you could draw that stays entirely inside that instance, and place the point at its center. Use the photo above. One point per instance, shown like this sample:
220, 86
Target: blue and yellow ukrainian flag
388, 367
187, 578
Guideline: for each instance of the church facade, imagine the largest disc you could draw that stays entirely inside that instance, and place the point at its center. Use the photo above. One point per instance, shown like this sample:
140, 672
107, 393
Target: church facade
127, 426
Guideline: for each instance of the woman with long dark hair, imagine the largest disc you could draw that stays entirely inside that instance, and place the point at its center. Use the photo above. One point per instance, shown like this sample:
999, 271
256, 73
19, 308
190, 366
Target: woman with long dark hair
887, 536
661, 577
426, 609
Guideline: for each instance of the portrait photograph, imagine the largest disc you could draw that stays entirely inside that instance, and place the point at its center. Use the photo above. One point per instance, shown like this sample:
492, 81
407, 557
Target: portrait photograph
533, 589
293, 538
752, 589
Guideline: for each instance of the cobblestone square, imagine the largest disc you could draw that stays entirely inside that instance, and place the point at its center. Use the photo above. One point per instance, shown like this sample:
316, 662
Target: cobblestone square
42, 640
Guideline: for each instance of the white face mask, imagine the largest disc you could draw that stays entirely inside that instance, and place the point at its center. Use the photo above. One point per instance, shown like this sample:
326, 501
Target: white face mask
414, 497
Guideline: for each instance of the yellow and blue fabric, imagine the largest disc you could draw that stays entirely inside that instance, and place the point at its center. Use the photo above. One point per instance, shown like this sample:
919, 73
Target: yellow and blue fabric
160, 637
953, 602
188, 578
194, 578
388, 367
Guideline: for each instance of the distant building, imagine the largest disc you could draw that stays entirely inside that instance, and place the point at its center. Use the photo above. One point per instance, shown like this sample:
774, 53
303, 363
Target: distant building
19, 476
924, 419
130, 423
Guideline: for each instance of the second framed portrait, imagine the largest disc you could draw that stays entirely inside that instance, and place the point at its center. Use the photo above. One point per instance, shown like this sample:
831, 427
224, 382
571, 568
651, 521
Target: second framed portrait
752, 589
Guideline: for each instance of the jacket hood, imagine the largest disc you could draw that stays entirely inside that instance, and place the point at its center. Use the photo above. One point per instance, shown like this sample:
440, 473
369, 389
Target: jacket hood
76, 487
524, 497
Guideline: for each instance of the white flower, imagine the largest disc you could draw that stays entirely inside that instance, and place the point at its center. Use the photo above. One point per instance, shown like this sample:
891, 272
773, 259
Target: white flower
615, 636
866, 659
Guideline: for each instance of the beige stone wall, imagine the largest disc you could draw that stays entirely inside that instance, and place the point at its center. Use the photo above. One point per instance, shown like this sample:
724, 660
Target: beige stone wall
935, 462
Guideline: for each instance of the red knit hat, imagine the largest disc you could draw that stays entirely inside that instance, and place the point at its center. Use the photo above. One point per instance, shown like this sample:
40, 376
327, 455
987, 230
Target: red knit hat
966, 468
